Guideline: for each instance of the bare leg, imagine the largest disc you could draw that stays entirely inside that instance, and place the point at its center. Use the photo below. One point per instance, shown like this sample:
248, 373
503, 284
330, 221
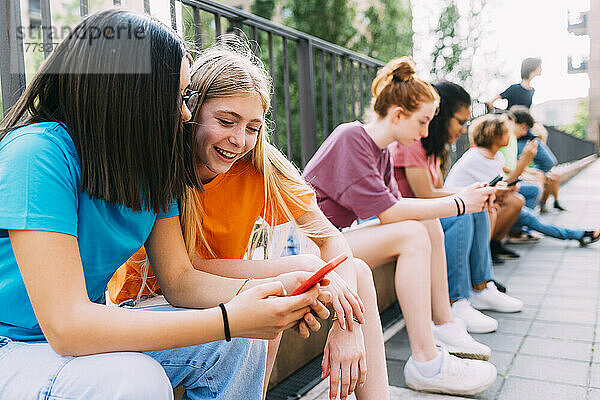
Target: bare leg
493, 216
408, 244
508, 214
272, 349
440, 305
376, 386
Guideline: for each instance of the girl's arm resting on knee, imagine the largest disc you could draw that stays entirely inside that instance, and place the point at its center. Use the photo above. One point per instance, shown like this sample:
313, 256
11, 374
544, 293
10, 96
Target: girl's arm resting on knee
331, 244
51, 268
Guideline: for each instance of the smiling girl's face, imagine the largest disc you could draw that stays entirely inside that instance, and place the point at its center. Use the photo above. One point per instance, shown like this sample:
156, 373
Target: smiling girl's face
227, 130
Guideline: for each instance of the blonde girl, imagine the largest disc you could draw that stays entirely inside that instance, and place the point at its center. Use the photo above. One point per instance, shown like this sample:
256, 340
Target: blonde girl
353, 177
246, 178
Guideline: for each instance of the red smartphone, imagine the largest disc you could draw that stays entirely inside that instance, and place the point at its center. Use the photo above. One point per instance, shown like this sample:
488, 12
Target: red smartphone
319, 275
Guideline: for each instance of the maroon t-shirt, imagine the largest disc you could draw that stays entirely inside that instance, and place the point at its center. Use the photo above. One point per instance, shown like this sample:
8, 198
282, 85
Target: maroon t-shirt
352, 176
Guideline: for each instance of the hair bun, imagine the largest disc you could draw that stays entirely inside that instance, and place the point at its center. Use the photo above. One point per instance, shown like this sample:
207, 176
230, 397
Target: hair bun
403, 69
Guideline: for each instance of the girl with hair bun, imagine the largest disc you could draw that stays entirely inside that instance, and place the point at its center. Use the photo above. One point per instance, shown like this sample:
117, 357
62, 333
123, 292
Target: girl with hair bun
418, 172
245, 178
353, 177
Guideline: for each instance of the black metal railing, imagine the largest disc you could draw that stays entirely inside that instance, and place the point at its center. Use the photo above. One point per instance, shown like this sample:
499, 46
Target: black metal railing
317, 84
567, 147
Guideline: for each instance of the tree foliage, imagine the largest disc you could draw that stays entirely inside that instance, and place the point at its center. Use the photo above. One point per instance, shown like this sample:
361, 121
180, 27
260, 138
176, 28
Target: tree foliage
332, 20
388, 32
263, 8
459, 53
578, 128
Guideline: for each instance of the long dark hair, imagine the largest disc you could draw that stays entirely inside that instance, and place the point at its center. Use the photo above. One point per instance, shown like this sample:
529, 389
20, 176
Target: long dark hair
119, 98
452, 98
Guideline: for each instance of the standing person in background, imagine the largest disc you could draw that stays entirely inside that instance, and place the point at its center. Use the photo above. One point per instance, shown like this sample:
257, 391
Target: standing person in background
418, 171
353, 177
521, 93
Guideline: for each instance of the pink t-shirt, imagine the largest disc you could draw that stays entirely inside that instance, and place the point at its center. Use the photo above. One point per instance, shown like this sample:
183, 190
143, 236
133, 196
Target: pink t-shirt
412, 156
352, 176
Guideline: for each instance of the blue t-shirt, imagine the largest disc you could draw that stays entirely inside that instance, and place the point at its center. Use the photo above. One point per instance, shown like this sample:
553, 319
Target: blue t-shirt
40, 177
517, 95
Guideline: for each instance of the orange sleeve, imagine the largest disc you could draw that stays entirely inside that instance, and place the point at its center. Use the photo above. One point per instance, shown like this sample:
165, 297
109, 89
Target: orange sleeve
304, 198
127, 280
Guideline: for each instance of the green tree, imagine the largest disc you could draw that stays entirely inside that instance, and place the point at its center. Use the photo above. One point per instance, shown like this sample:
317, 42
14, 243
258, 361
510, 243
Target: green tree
264, 8
448, 49
388, 32
462, 49
578, 128
331, 20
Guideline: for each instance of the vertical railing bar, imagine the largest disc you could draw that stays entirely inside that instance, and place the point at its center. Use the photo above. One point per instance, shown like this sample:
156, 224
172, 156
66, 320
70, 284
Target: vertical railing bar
197, 29
344, 103
255, 40
306, 98
334, 113
274, 95
361, 90
237, 26
173, 15
12, 57
46, 27
286, 86
352, 90
324, 95
147, 6
83, 8
217, 25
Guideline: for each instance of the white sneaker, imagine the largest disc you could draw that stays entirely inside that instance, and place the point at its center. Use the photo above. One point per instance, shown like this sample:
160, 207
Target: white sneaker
453, 337
492, 299
476, 321
457, 376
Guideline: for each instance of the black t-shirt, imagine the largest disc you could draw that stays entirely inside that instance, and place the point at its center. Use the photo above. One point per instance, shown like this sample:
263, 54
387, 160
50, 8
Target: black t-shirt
518, 95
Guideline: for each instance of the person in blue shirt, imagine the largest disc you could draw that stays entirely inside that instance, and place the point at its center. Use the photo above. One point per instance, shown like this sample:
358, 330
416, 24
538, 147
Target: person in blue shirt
93, 157
544, 159
521, 93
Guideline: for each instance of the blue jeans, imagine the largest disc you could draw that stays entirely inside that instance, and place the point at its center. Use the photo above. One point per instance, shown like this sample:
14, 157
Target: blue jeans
531, 192
527, 218
467, 242
223, 370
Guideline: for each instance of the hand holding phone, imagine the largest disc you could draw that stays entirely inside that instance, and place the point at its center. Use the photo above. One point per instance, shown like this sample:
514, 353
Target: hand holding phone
319, 275
513, 183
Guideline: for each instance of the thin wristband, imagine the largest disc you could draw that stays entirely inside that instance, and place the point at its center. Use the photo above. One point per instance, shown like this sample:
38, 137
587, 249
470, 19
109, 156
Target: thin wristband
464, 206
243, 284
457, 206
225, 322
335, 318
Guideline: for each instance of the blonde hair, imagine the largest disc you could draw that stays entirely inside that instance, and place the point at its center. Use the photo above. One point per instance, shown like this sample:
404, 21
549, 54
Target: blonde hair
230, 68
397, 85
485, 129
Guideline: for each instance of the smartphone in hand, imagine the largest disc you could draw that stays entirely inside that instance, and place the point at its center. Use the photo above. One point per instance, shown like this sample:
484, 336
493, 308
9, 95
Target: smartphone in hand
513, 183
319, 275
494, 181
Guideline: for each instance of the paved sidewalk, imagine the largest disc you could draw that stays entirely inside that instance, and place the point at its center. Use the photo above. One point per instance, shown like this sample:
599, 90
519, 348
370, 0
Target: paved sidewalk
547, 350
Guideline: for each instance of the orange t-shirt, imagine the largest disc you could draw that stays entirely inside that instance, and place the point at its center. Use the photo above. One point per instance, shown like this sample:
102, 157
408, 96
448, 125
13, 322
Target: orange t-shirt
231, 203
